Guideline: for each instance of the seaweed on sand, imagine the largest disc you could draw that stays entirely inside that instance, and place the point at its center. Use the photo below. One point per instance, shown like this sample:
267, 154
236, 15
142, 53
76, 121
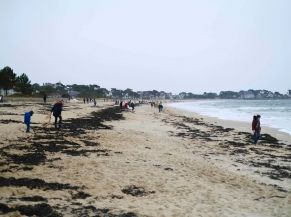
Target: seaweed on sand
34, 183
136, 191
41, 209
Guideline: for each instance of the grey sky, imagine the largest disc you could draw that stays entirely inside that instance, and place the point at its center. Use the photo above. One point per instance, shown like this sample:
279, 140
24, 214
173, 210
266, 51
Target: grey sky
165, 45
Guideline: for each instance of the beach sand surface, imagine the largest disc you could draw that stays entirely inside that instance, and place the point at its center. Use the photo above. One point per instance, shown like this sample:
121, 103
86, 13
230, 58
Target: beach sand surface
106, 162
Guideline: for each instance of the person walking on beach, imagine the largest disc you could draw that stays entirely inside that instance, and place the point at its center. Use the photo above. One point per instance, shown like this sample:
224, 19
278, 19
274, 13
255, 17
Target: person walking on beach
27, 119
256, 127
254, 124
132, 105
44, 98
126, 105
94, 102
160, 107
57, 112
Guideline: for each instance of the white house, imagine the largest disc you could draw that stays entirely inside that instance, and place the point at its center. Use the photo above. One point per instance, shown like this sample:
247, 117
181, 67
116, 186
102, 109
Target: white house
9, 92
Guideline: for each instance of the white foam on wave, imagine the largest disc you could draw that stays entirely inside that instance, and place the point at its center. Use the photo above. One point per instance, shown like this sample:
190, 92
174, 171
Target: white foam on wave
285, 131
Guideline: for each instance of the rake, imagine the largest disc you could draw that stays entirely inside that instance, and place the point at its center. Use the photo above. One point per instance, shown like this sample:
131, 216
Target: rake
48, 120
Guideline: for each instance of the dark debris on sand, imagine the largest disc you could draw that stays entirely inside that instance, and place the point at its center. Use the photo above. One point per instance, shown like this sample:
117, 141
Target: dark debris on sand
80, 195
266, 138
276, 171
8, 113
34, 184
78, 126
51, 140
29, 159
9, 121
41, 210
93, 211
241, 150
136, 191
7, 105
33, 199
85, 152
39, 150
89, 143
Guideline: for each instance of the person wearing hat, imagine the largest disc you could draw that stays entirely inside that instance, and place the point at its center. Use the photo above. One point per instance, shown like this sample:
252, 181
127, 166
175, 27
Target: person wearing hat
27, 119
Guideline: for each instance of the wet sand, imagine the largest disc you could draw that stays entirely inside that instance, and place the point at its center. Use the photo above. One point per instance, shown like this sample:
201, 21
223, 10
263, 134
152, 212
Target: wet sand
105, 162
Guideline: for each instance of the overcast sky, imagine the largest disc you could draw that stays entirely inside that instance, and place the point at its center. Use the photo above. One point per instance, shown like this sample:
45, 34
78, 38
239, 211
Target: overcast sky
166, 45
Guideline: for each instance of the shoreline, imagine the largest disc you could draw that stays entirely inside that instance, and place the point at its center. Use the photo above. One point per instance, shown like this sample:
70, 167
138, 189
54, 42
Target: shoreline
238, 125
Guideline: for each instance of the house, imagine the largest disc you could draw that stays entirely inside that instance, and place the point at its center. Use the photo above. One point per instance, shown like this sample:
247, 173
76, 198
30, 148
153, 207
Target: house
182, 95
249, 94
9, 92
73, 93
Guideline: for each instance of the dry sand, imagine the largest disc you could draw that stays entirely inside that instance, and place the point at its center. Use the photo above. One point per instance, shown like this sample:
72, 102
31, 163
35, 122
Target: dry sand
141, 163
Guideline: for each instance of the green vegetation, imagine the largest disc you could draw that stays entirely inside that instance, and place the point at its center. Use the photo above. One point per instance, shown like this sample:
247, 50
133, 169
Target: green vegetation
7, 79
22, 84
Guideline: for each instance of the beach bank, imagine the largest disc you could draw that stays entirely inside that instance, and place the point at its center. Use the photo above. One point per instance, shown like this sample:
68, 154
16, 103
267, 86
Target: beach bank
238, 125
143, 163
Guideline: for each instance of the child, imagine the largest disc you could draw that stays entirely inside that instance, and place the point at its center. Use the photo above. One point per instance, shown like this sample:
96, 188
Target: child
27, 118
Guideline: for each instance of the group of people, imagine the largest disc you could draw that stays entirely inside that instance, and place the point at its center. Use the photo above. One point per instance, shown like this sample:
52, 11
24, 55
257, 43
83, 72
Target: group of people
56, 111
88, 100
159, 105
126, 105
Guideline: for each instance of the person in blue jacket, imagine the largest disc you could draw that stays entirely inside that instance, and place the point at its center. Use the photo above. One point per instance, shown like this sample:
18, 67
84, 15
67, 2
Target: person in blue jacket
27, 119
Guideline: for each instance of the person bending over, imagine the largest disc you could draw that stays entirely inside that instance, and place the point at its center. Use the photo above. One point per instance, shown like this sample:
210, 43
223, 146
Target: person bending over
57, 112
27, 119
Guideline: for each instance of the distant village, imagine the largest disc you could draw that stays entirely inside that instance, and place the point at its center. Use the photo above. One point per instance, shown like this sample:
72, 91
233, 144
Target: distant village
13, 85
95, 91
243, 94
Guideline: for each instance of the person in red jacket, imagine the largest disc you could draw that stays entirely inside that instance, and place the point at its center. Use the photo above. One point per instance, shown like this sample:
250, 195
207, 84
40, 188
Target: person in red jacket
256, 127
254, 123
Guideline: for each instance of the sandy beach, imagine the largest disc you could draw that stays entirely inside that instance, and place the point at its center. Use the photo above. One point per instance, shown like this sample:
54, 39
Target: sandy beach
107, 162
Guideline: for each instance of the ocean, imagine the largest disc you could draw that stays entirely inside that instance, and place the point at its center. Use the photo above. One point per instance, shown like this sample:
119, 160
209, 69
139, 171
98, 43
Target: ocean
274, 113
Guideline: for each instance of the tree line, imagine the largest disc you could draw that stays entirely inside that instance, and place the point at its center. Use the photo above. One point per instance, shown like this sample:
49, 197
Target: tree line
21, 84
9, 80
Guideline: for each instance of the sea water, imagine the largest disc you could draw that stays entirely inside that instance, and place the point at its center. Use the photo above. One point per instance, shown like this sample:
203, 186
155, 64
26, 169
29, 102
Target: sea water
274, 113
